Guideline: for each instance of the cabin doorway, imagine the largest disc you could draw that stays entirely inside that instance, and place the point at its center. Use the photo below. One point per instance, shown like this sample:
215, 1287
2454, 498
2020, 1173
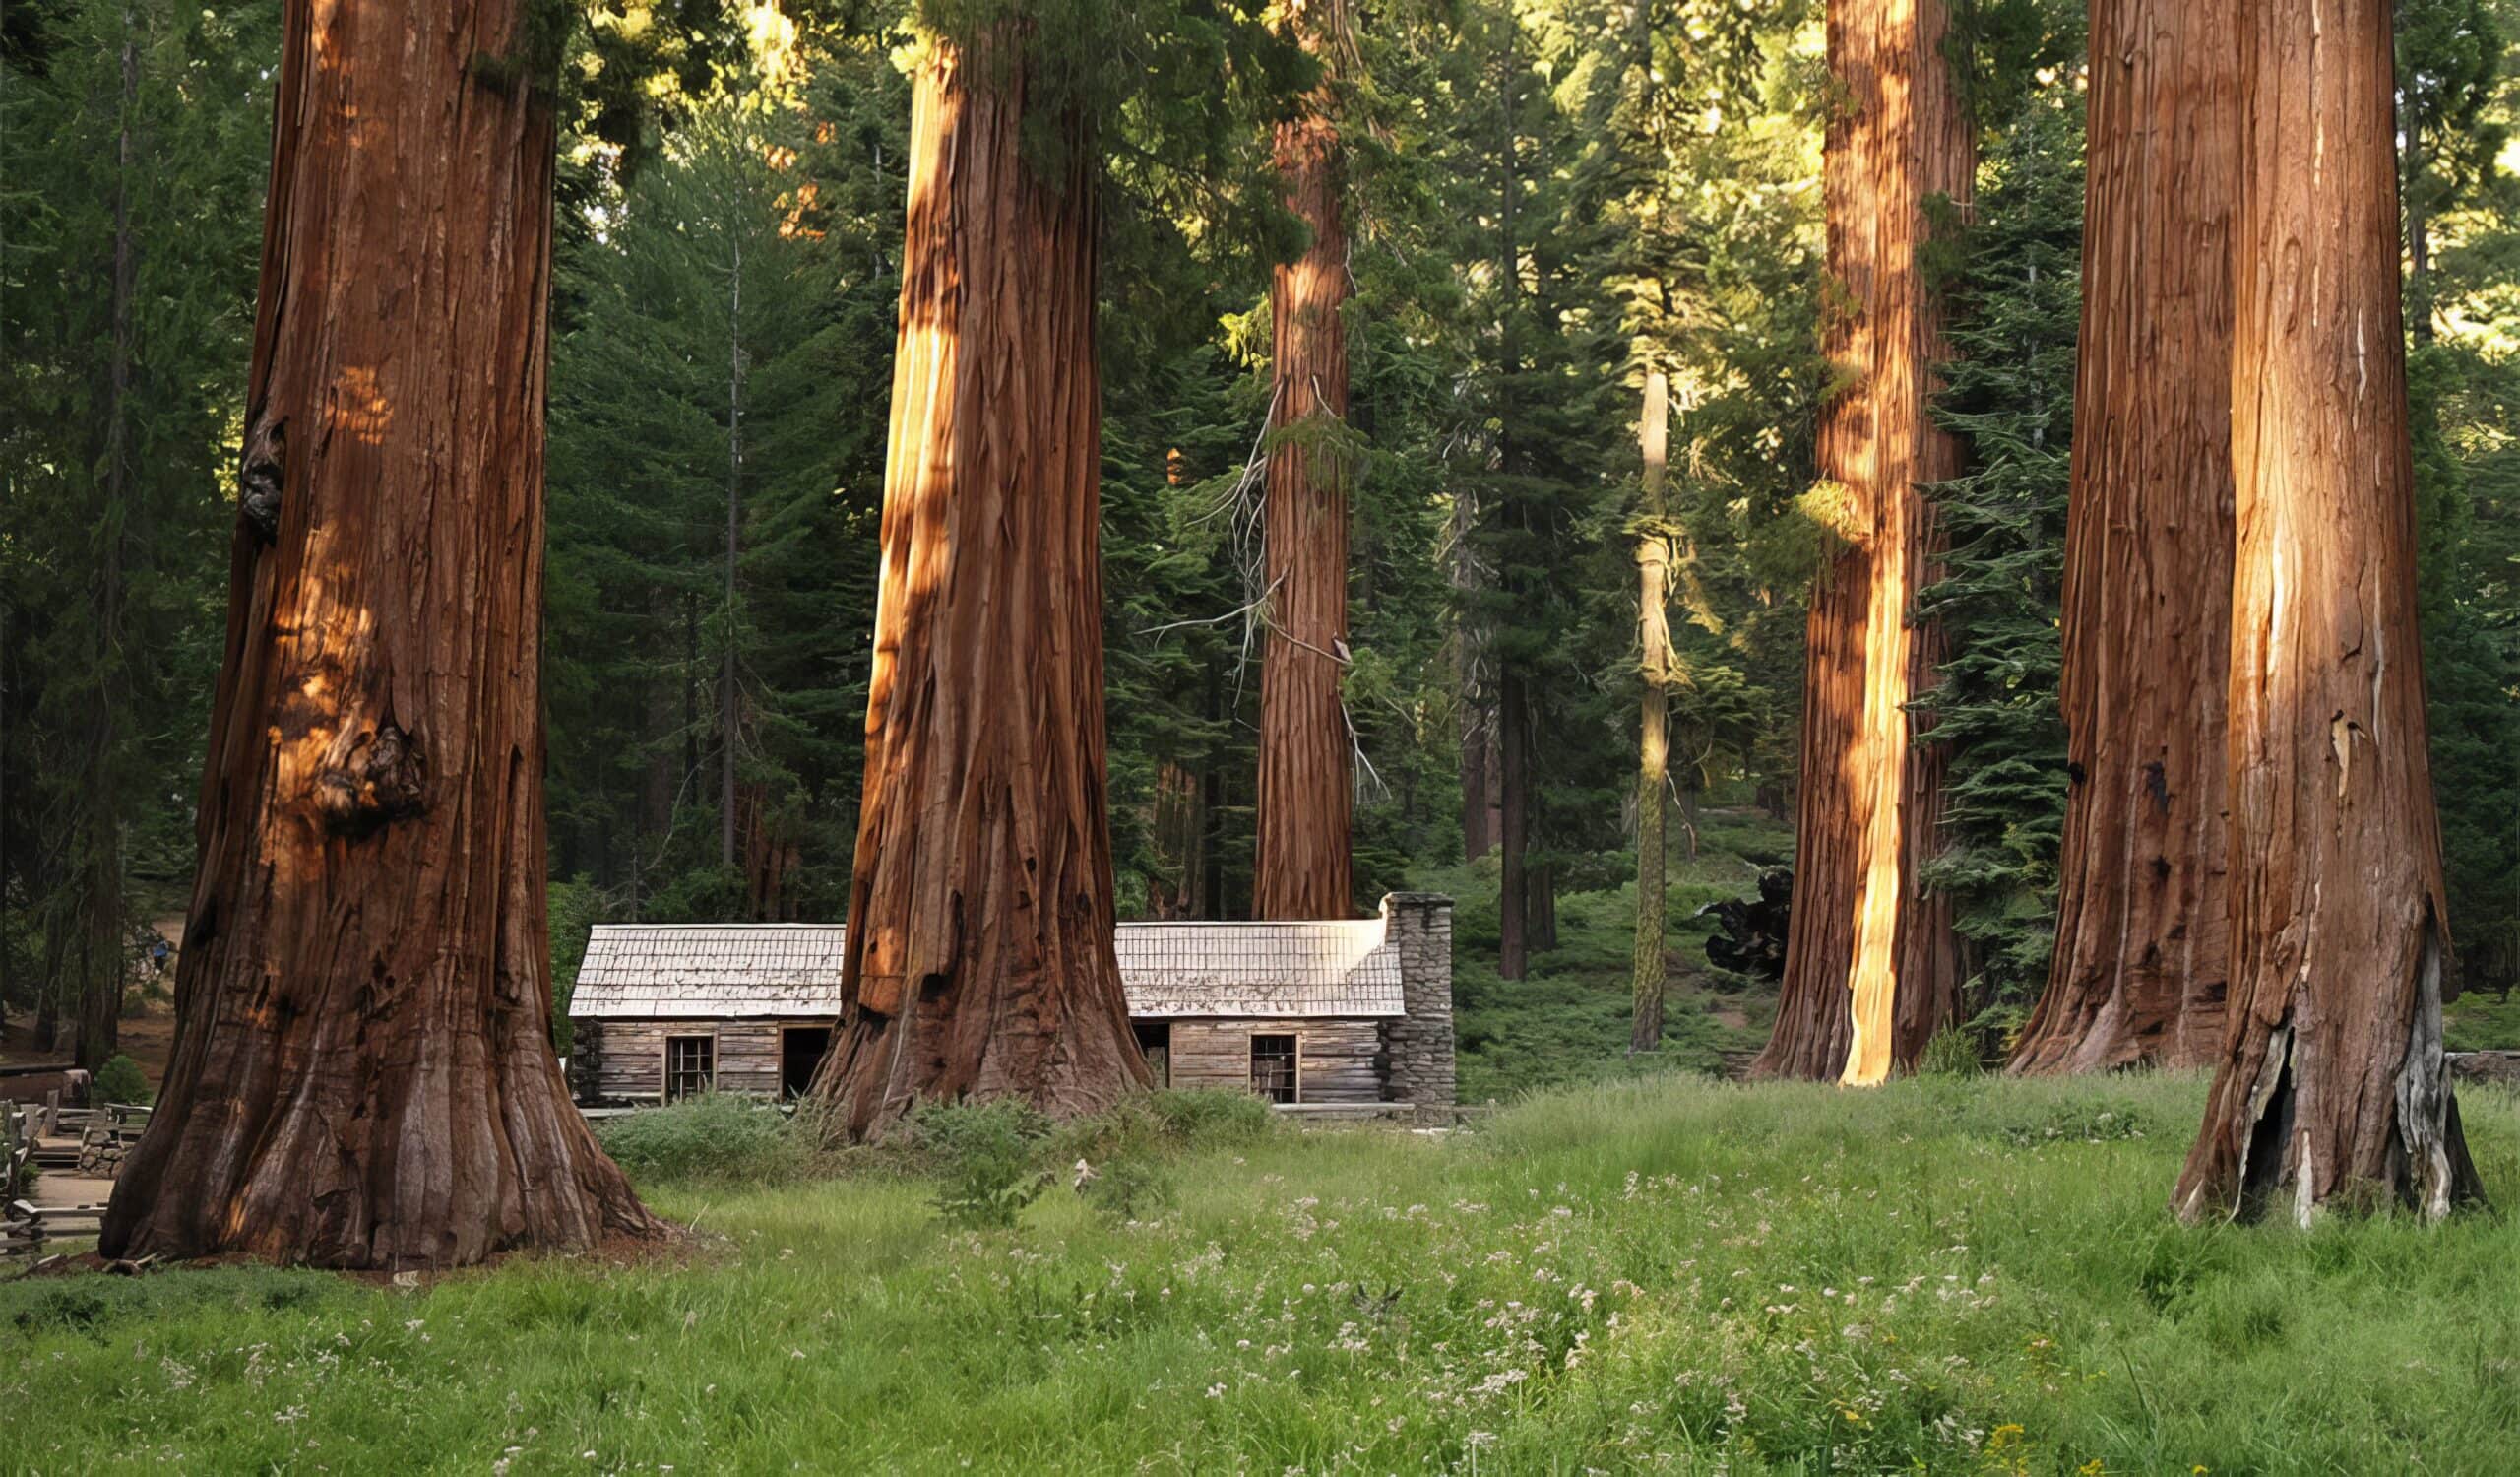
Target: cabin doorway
800, 1051
1155, 1042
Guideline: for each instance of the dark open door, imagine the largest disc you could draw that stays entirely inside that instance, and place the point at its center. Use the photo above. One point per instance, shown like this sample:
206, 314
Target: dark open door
800, 1051
1155, 1039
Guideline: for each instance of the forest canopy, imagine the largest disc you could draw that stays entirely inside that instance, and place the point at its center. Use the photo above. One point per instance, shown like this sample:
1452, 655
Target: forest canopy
1544, 201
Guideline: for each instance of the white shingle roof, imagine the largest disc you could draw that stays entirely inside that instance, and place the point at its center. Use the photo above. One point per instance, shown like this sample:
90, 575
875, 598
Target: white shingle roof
1344, 968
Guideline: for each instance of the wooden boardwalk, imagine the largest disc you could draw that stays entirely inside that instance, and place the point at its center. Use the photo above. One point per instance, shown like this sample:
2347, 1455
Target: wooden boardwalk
74, 1152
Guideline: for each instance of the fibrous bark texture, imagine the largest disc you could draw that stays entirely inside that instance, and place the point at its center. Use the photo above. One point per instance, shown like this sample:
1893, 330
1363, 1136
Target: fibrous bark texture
1301, 867
1654, 666
1873, 967
980, 959
2142, 926
2330, 1086
363, 1072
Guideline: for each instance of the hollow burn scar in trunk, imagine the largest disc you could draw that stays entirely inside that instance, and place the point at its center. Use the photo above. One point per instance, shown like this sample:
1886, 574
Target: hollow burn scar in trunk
384, 780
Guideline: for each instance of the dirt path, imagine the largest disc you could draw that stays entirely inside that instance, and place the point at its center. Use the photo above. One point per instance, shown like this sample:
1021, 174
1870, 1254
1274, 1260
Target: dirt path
59, 1187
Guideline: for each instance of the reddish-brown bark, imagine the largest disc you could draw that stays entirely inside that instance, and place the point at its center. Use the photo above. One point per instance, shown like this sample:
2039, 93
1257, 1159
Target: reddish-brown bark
1301, 866
980, 959
1180, 837
2330, 1086
363, 1072
2142, 926
1872, 966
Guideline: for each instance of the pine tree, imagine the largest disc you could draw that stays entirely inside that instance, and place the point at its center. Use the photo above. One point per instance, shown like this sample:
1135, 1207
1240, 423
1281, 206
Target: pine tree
718, 361
123, 312
2010, 399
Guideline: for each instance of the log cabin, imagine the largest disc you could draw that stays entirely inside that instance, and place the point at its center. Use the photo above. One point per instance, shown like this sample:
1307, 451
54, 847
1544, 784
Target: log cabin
1329, 1015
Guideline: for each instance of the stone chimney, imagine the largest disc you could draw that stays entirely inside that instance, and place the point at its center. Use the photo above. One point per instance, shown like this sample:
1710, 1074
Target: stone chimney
1421, 1046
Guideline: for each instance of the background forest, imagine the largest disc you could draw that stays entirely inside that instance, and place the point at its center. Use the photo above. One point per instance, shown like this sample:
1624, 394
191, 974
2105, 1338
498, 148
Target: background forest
1543, 195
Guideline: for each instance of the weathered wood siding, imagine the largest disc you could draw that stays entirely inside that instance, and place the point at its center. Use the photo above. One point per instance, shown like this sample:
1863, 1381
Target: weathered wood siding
1335, 1060
624, 1060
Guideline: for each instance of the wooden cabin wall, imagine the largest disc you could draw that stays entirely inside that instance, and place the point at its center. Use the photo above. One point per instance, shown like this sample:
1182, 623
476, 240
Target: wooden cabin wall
628, 1057
1335, 1060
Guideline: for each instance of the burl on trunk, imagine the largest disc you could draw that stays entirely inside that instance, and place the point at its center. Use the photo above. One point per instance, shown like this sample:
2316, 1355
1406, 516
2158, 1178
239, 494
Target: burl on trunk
362, 1072
1872, 966
2330, 1086
980, 959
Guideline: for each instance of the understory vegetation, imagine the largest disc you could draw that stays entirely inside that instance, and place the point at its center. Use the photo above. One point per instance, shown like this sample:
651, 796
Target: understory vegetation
1567, 1022
1946, 1276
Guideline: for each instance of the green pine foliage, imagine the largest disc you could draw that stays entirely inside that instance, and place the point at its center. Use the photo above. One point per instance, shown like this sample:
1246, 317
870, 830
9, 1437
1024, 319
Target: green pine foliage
1544, 198
2463, 384
143, 124
2015, 304
729, 329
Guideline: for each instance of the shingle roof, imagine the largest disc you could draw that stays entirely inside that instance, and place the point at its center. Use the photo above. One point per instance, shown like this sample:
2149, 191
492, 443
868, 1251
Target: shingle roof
653, 971
700, 970
1298, 969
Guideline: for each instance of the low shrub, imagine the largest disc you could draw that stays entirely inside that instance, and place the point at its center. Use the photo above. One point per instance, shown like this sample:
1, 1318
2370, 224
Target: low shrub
1127, 1188
1199, 1117
716, 1137
2078, 1121
120, 1080
1951, 1053
987, 1157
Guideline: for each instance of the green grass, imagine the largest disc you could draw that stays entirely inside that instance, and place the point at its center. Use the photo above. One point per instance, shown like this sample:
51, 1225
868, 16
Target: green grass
2481, 1022
1568, 1022
1952, 1275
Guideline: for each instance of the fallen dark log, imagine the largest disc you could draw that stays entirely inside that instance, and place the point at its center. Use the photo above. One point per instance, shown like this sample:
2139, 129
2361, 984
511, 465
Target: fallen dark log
2502, 1068
1750, 932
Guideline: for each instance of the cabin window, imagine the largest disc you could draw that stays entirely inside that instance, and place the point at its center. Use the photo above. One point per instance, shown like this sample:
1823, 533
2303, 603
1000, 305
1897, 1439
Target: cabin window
1273, 1067
691, 1067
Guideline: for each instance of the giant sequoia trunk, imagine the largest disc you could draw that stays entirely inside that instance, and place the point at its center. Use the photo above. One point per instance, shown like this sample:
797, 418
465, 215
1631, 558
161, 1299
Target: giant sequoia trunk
2330, 1085
980, 959
1653, 747
2142, 923
1872, 967
1302, 866
363, 1072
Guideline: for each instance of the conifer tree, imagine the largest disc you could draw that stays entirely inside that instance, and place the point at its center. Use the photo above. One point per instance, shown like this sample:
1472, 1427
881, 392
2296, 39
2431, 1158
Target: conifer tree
1872, 967
2142, 911
363, 1074
130, 130
980, 955
2330, 1087
1303, 867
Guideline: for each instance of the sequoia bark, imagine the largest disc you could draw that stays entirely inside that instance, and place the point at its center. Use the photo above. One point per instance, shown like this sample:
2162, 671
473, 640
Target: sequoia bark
1872, 966
2142, 927
979, 958
2330, 1086
363, 1072
1301, 866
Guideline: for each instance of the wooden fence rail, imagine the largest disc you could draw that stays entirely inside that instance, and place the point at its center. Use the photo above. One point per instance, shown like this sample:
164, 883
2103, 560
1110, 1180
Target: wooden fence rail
25, 1228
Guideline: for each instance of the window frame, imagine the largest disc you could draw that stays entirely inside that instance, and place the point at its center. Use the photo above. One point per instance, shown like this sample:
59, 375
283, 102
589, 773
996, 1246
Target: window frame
708, 1042
1294, 1064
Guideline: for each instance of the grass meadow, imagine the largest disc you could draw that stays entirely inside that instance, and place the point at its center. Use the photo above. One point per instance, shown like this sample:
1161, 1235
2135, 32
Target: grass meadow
1946, 1276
